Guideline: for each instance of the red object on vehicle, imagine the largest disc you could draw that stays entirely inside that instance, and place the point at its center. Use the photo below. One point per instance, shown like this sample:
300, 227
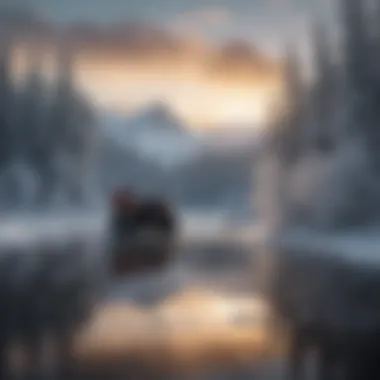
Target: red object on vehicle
124, 201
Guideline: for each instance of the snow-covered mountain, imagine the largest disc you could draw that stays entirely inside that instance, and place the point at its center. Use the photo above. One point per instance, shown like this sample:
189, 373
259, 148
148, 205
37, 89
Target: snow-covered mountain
120, 166
233, 138
156, 134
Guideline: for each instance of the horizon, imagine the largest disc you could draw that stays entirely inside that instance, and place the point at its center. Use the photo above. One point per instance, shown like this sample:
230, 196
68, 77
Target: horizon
123, 115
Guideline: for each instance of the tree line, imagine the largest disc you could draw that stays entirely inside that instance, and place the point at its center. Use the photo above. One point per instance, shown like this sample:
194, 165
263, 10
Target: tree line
46, 133
334, 118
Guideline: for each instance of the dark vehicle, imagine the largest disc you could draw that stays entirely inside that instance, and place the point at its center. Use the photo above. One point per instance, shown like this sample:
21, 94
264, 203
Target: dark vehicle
142, 233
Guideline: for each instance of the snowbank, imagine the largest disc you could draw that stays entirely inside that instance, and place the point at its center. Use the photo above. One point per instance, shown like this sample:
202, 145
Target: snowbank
326, 280
320, 261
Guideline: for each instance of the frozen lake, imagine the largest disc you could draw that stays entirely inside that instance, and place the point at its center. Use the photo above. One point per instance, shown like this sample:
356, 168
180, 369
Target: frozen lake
192, 226
196, 307
208, 242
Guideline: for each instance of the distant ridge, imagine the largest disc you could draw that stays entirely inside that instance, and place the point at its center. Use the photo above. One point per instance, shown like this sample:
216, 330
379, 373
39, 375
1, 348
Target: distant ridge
155, 133
157, 116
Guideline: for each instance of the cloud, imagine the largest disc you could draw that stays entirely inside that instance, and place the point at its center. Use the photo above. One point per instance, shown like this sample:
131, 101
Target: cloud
240, 61
204, 17
136, 42
198, 23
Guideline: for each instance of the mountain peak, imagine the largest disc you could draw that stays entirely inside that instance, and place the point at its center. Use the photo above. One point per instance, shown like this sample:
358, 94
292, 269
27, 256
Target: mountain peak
158, 111
157, 116
156, 133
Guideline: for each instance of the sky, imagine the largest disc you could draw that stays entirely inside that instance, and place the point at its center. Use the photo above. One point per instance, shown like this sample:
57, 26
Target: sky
198, 90
269, 21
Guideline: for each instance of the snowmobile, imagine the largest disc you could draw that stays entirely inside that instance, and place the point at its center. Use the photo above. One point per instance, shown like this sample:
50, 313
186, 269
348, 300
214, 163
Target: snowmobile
142, 234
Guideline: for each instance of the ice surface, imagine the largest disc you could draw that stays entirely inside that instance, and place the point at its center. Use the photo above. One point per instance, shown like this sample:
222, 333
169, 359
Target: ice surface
25, 229
360, 247
28, 230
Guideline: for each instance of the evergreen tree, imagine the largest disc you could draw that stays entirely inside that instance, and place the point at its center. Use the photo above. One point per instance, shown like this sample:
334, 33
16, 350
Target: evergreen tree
61, 113
291, 136
374, 137
31, 111
61, 121
71, 128
323, 93
6, 99
362, 73
357, 55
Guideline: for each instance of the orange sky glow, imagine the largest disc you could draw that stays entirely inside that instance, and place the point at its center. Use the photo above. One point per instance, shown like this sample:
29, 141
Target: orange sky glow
234, 94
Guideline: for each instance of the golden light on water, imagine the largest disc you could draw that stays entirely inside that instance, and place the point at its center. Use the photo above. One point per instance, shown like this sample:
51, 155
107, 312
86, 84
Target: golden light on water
191, 329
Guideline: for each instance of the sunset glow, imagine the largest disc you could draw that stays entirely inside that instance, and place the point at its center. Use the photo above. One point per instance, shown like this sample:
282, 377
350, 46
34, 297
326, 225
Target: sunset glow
203, 87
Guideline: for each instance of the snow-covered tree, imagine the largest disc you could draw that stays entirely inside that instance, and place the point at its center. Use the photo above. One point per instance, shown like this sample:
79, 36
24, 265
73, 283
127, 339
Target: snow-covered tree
72, 131
323, 94
31, 149
291, 131
357, 58
46, 146
6, 99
